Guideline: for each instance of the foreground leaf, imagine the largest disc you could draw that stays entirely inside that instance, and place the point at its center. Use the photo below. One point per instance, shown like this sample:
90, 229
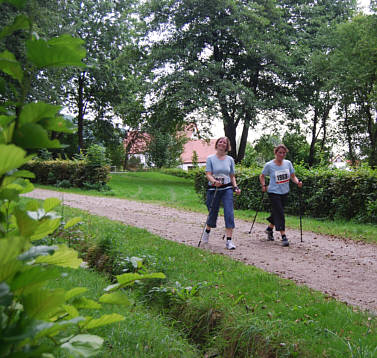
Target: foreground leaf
102, 321
10, 66
64, 257
12, 157
72, 222
75, 292
34, 275
40, 304
50, 204
83, 345
34, 136
35, 112
61, 51
116, 298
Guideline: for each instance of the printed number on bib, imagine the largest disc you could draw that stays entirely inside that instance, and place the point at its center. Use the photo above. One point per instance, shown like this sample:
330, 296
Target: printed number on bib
282, 176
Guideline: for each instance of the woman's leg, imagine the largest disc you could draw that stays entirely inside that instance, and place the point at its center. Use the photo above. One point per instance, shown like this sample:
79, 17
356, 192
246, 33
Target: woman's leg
228, 210
229, 218
213, 206
277, 211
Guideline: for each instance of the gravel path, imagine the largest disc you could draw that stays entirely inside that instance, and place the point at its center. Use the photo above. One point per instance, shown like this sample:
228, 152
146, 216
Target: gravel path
341, 268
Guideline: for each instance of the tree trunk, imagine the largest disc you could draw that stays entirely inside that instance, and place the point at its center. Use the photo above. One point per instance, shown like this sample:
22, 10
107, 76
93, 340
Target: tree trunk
372, 132
243, 142
81, 110
314, 139
351, 153
230, 132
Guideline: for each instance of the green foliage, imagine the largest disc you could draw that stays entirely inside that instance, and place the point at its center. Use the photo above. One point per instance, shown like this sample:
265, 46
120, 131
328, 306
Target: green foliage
66, 173
177, 294
194, 159
188, 174
164, 149
96, 156
256, 315
326, 193
37, 321
353, 69
250, 158
116, 155
264, 147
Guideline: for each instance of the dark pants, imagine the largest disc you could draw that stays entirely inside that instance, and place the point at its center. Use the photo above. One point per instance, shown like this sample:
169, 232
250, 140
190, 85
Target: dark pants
277, 217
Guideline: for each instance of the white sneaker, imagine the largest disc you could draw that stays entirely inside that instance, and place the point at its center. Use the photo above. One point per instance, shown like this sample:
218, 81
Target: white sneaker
205, 237
230, 245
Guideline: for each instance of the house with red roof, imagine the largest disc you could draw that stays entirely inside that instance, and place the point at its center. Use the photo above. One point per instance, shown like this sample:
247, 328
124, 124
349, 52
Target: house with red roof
202, 148
136, 144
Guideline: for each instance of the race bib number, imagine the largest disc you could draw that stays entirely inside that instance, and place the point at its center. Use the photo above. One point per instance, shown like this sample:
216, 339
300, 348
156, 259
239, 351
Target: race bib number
282, 176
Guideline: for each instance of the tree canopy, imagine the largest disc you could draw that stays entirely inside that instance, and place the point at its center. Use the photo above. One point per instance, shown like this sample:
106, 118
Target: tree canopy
305, 66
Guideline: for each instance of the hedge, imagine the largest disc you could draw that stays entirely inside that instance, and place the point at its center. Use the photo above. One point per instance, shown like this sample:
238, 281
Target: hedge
67, 173
326, 193
188, 174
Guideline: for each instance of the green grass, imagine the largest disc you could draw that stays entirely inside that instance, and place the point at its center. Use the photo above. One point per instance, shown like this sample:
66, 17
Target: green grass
255, 310
179, 193
141, 334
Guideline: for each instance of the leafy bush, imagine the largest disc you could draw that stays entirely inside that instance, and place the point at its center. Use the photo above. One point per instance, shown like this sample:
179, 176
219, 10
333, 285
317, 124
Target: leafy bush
327, 193
96, 156
36, 321
59, 172
188, 174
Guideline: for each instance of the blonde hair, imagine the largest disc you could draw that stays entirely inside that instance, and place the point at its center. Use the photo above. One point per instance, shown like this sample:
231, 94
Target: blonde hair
227, 141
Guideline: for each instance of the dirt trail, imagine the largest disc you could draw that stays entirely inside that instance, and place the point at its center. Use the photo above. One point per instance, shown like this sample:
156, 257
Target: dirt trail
344, 269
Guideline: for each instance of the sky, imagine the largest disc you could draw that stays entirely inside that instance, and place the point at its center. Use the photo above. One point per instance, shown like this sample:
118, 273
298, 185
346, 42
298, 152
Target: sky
363, 4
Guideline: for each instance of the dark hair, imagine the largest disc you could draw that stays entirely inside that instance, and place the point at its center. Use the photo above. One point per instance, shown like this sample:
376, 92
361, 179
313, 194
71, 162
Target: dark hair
280, 146
228, 143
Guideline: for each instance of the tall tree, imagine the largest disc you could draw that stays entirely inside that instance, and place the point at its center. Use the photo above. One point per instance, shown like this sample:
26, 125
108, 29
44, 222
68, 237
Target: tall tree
243, 59
315, 22
223, 57
354, 64
109, 30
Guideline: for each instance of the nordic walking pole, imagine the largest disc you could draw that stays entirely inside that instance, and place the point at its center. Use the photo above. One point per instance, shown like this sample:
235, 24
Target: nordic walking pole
209, 212
300, 208
256, 213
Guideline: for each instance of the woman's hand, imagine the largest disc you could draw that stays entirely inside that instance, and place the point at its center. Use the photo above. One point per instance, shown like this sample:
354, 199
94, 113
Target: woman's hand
264, 188
299, 184
237, 190
216, 183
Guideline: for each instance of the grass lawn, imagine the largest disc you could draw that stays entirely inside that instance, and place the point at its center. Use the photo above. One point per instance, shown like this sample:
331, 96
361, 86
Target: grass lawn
178, 192
142, 334
240, 311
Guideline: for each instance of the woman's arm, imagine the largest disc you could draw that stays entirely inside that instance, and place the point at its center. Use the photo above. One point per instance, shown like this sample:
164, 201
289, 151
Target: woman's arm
262, 180
237, 190
295, 180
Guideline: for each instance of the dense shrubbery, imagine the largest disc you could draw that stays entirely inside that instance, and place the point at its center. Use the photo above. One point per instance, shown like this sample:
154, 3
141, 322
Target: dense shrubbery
67, 173
327, 193
190, 174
